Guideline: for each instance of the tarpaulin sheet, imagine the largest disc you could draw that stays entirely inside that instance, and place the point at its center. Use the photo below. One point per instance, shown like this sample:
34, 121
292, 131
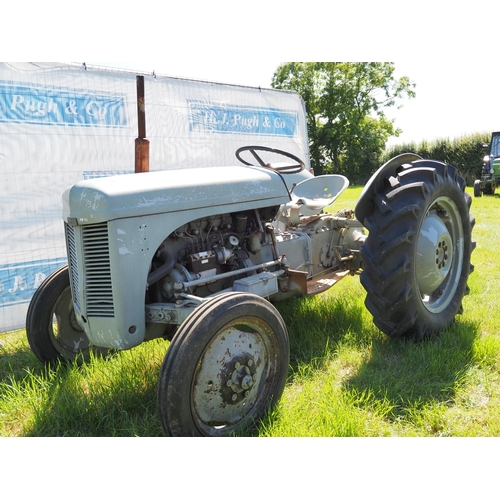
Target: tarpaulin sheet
62, 123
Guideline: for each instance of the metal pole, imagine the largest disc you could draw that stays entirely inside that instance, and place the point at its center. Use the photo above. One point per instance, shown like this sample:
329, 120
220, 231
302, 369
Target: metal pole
141, 143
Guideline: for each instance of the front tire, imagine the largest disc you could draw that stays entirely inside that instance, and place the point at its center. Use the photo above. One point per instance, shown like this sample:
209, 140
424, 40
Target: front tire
225, 368
417, 253
51, 327
477, 188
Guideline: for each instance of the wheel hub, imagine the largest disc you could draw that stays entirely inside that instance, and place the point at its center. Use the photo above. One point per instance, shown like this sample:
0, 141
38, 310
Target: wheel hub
434, 254
240, 377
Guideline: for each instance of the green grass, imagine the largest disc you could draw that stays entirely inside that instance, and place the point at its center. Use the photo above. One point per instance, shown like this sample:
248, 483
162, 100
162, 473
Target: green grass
346, 378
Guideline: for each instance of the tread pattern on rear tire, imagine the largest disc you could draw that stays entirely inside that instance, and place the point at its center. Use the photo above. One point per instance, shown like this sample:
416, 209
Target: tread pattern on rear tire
389, 252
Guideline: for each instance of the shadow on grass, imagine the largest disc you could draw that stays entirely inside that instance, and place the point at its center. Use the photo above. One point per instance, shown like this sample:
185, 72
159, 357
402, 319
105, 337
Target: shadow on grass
401, 375
106, 397
408, 375
317, 325
112, 396
16, 357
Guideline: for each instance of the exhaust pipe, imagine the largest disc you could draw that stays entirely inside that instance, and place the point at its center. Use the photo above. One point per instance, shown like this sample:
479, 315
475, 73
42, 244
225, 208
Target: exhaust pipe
141, 143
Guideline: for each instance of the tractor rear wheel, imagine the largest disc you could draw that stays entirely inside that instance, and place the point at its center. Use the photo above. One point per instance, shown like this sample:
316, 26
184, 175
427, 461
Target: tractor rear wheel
488, 188
417, 254
225, 367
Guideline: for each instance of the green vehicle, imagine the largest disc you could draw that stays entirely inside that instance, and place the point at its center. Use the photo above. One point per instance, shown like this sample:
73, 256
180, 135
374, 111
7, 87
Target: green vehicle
490, 174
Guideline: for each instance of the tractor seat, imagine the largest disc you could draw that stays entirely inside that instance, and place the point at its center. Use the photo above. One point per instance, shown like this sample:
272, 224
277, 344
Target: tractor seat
312, 195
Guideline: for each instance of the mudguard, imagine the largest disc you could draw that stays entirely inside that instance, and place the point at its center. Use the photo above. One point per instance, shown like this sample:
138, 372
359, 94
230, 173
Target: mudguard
364, 205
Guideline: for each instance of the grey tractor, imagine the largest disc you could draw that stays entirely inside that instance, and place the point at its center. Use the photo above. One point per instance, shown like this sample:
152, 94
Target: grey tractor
199, 257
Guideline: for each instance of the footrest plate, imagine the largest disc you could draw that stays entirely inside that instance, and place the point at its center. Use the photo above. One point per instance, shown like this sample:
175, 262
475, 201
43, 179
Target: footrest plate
325, 282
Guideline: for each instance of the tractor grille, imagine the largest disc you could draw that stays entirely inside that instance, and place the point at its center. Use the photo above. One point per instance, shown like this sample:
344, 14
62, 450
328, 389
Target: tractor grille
97, 270
98, 290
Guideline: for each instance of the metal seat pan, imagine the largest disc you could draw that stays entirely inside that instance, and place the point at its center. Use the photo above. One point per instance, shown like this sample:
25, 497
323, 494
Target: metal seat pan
316, 193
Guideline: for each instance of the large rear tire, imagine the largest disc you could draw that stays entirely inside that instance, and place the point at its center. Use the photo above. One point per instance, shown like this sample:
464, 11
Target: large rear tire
489, 188
51, 327
417, 254
225, 368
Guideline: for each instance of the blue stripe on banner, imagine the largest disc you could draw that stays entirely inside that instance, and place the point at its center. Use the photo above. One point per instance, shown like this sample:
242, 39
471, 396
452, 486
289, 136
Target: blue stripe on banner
47, 106
242, 119
18, 282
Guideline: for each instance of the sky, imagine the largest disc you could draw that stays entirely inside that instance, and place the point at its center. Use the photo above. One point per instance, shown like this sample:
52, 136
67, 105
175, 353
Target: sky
446, 48
452, 98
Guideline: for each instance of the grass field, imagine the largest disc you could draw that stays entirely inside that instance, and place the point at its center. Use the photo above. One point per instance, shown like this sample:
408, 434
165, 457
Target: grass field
346, 378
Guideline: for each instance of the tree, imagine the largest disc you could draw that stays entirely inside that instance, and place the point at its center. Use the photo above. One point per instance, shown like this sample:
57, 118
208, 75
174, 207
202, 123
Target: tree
345, 103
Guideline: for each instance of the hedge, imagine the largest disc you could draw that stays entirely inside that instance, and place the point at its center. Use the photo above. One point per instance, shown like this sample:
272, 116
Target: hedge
465, 153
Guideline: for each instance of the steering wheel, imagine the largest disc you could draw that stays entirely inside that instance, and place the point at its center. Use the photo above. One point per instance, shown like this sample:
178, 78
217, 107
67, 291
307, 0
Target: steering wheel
293, 168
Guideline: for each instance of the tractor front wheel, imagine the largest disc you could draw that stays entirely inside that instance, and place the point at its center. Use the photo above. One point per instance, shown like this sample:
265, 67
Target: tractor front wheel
225, 367
51, 327
477, 188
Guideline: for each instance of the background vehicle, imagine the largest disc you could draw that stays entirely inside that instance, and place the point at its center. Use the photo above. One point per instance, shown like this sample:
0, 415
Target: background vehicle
490, 173
193, 256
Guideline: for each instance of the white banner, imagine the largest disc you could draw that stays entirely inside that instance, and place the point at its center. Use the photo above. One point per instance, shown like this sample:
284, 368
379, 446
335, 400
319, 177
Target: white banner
63, 123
